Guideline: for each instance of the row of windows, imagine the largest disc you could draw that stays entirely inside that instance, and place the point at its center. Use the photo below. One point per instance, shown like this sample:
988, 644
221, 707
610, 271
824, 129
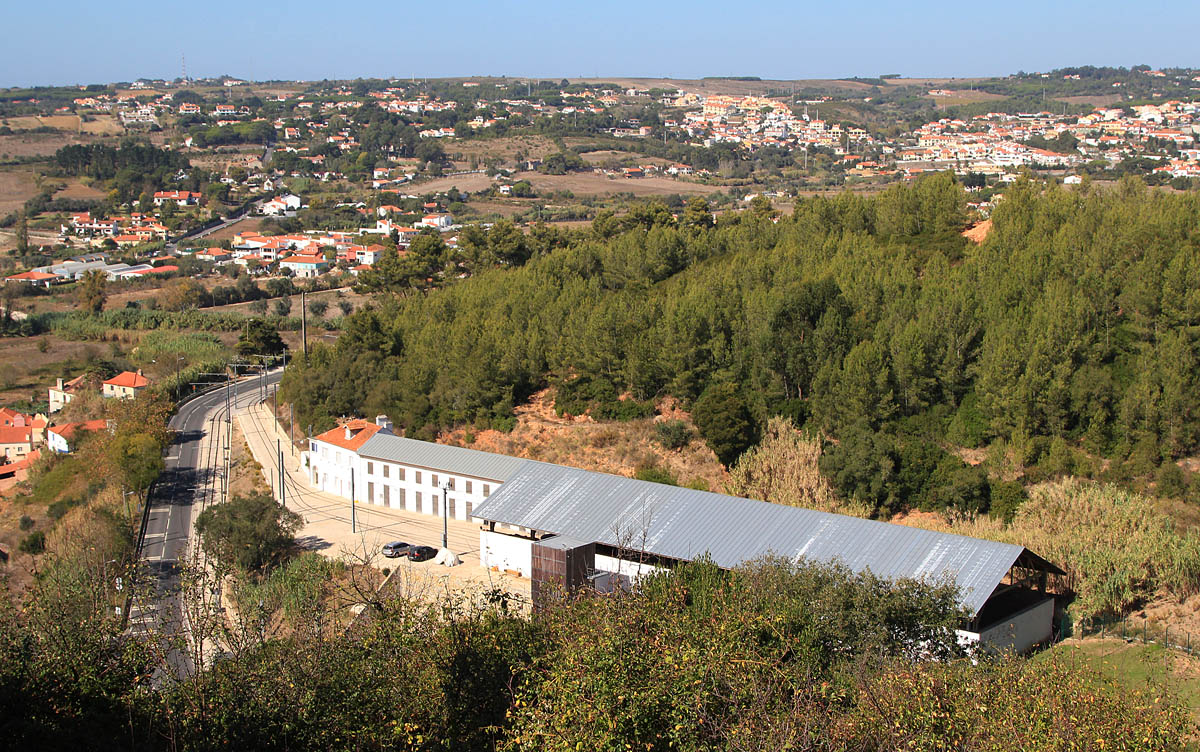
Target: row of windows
433, 478
436, 507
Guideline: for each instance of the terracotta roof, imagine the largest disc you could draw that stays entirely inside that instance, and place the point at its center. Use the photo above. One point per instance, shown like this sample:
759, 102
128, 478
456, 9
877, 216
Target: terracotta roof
16, 434
23, 464
129, 379
68, 430
360, 431
32, 276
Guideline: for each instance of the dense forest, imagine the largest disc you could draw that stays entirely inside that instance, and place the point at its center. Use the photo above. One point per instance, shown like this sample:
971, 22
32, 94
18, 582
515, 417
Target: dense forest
1068, 336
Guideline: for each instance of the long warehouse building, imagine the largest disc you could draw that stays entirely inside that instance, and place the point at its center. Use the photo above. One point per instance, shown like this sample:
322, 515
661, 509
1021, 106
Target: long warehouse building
577, 528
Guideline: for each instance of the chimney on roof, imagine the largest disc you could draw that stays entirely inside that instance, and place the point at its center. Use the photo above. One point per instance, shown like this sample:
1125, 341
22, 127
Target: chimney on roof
383, 422
59, 384
349, 433
139, 372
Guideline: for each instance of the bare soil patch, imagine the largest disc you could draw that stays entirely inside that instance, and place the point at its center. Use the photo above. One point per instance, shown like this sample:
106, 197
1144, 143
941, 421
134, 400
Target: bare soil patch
977, 233
472, 183
618, 448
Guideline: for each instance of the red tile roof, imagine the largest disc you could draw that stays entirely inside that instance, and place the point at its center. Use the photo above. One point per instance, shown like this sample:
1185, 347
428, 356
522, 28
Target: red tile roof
68, 430
360, 431
16, 434
129, 379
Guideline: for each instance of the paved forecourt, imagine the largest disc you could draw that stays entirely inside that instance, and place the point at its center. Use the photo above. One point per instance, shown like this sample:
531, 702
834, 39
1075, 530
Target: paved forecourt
327, 530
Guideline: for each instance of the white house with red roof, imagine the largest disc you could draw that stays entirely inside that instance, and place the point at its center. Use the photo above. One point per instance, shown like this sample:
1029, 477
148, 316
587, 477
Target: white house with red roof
125, 385
63, 438
181, 198
332, 457
305, 267
436, 221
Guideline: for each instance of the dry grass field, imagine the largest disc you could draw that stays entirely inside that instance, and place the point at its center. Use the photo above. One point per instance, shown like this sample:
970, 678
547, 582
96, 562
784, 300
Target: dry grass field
590, 183
76, 189
37, 144
248, 224
103, 125
504, 149
580, 184
16, 187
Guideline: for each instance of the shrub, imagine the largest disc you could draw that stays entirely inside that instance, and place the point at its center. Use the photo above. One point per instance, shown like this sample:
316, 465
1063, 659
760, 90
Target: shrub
34, 543
656, 474
1007, 498
26, 523
672, 434
1171, 480
58, 509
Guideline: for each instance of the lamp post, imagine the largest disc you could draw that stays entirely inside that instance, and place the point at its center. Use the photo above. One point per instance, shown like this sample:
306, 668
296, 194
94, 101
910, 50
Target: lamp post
445, 511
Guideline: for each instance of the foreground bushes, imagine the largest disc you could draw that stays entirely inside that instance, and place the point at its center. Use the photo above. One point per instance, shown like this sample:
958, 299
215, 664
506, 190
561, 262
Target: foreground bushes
773, 656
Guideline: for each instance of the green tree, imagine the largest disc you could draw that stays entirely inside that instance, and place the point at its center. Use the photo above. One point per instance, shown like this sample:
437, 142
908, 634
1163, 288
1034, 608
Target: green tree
92, 292
138, 457
724, 420
252, 533
259, 338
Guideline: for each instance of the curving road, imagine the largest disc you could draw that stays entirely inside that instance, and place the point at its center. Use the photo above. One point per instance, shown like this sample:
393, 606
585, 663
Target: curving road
191, 480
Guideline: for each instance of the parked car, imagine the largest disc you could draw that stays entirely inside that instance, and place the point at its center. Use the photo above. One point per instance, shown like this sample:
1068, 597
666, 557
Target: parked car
395, 549
421, 553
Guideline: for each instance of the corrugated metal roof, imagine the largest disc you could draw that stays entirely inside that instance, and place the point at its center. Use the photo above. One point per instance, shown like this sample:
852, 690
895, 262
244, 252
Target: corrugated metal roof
682, 523
450, 459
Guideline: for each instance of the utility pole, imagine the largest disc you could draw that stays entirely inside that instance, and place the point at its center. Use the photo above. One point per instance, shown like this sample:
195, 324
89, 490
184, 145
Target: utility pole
445, 511
353, 521
304, 321
282, 487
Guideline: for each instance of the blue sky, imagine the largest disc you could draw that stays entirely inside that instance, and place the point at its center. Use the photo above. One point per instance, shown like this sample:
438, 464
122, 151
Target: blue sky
88, 42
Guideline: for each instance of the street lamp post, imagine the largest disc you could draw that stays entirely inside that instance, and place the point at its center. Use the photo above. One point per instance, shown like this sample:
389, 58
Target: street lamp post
445, 512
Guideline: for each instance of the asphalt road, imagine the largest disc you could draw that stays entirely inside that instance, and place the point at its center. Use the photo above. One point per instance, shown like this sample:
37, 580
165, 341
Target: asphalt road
191, 480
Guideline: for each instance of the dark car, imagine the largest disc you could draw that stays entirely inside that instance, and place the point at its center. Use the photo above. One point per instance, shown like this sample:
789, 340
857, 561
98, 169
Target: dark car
395, 549
421, 553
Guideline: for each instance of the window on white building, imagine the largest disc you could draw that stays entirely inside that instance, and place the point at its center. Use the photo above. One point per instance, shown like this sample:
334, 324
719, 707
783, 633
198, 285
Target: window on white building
370, 468
433, 480
386, 469
417, 475
468, 486
487, 490
450, 482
